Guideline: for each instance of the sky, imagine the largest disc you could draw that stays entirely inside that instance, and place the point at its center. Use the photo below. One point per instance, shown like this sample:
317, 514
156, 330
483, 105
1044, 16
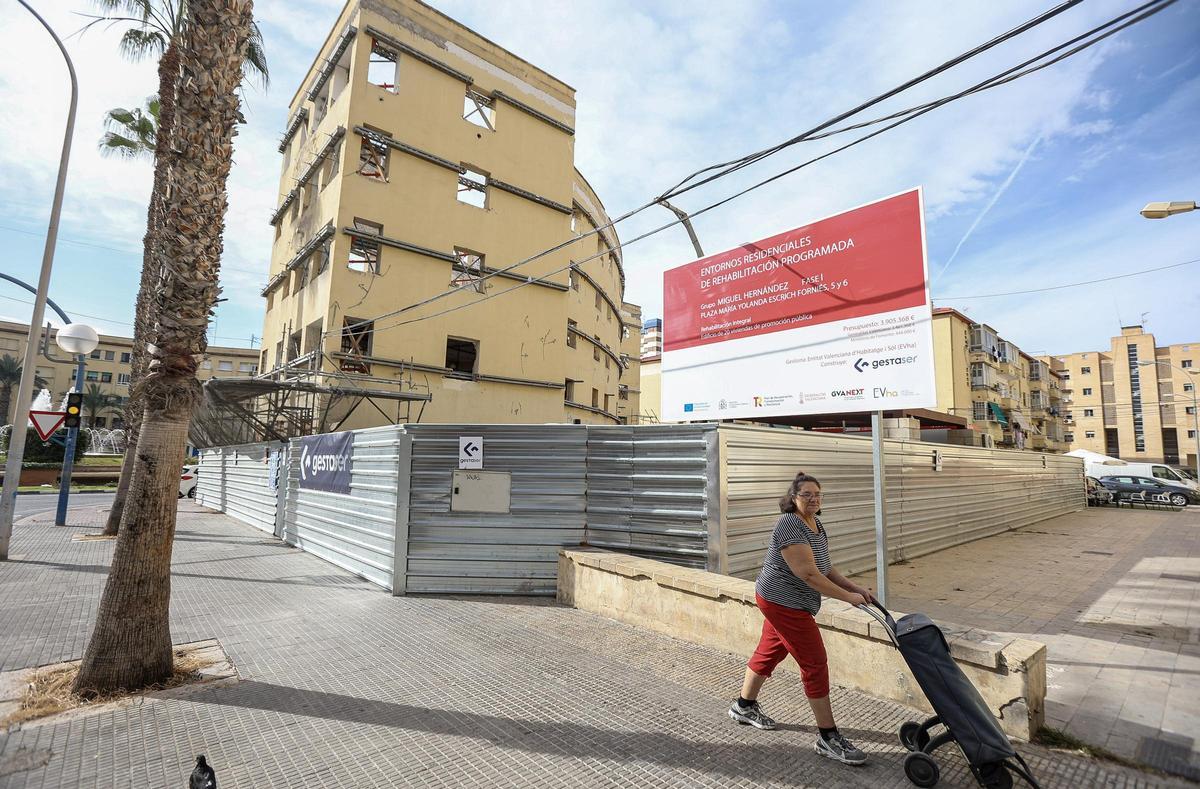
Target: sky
1031, 185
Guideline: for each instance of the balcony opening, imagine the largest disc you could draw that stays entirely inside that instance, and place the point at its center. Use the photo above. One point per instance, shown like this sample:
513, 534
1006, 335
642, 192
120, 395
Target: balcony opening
384, 68
472, 188
571, 329
364, 253
468, 270
462, 356
479, 110
373, 156
356, 345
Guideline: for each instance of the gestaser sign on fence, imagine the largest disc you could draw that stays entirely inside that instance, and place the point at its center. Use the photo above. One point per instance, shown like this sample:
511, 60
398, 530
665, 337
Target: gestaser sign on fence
833, 316
326, 461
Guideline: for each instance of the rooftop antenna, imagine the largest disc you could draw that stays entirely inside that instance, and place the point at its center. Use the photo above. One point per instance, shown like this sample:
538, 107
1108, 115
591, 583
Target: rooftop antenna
1144, 321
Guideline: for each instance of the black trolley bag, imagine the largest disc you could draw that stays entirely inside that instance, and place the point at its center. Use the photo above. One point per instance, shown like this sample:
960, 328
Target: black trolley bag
957, 706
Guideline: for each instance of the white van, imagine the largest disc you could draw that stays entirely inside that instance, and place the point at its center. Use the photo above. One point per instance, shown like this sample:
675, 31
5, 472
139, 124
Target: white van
1158, 471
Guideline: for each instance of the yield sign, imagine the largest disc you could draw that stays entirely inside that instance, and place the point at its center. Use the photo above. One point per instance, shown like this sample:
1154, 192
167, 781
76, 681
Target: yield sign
46, 422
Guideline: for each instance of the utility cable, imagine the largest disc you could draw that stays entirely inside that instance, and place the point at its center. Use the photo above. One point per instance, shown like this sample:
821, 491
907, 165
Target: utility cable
756, 156
1069, 285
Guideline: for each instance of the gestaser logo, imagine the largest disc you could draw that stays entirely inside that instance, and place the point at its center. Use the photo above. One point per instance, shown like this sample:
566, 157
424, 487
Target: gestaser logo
314, 464
860, 365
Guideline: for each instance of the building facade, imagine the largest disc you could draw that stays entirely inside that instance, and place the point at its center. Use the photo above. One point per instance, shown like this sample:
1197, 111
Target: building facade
433, 235
108, 368
1135, 401
652, 338
1015, 400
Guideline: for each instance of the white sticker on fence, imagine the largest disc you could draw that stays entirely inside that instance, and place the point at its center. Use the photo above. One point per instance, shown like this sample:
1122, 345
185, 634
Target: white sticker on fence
470, 451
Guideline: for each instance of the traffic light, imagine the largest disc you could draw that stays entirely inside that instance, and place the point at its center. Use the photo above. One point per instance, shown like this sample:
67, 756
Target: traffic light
74, 409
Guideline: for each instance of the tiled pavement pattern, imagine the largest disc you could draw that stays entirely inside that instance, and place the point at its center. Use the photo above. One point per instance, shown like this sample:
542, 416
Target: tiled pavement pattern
345, 686
1115, 596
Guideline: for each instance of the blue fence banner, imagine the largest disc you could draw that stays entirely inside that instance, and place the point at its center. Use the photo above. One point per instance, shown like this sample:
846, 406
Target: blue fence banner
325, 462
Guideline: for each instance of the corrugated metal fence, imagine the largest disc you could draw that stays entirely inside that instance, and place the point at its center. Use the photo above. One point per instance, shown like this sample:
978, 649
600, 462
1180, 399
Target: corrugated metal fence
237, 481
355, 531
978, 492
514, 552
695, 495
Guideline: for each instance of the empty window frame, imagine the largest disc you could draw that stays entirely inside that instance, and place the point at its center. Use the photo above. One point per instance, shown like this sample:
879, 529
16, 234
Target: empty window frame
383, 68
472, 188
468, 270
357, 335
364, 253
479, 110
571, 325
301, 277
374, 155
573, 280
320, 259
462, 356
293, 347
330, 169
595, 398
312, 336
598, 298
569, 390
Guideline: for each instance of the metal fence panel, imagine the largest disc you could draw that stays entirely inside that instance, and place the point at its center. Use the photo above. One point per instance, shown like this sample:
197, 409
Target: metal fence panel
210, 479
495, 553
647, 491
355, 531
979, 492
248, 495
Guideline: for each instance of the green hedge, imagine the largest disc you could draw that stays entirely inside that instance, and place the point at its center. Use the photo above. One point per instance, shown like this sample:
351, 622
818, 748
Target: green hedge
38, 452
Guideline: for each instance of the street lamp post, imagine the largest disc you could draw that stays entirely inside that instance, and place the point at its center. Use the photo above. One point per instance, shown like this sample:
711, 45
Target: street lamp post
1195, 409
78, 339
16, 439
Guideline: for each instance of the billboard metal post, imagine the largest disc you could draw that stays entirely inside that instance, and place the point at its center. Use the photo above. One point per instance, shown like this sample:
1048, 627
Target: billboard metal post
877, 461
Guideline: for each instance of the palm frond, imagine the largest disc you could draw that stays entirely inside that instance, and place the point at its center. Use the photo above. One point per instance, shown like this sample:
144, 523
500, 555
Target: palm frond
256, 58
139, 43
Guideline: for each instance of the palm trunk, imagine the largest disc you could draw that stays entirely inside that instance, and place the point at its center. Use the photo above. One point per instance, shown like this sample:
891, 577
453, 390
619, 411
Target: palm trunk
168, 75
6, 402
131, 644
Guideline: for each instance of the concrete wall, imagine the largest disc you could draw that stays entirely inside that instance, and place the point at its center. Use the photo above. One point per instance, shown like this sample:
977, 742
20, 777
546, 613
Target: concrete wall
720, 612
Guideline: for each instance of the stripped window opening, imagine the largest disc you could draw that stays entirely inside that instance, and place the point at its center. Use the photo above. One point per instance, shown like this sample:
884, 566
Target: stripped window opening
321, 259
571, 326
468, 270
364, 253
373, 157
356, 343
383, 68
472, 188
573, 280
330, 168
301, 277
462, 356
293, 348
479, 110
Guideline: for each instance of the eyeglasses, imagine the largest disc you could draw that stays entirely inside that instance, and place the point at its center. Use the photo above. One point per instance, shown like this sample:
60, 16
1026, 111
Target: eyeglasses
808, 496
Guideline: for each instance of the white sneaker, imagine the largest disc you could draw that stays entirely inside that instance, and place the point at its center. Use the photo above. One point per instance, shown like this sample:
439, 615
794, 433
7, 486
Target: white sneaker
751, 716
839, 749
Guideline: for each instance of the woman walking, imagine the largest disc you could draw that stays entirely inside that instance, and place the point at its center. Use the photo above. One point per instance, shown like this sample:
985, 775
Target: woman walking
795, 574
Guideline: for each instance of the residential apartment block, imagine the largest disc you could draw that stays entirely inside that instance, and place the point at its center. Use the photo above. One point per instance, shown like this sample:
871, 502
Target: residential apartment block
1013, 399
1135, 401
433, 235
108, 368
652, 338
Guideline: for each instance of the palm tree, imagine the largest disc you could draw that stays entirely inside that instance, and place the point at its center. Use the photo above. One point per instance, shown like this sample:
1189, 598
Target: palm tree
96, 401
130, 646
130, 134
10, 376
158, 27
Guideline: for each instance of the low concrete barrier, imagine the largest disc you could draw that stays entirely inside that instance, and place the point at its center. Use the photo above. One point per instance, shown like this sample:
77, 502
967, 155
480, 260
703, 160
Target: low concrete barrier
719, 611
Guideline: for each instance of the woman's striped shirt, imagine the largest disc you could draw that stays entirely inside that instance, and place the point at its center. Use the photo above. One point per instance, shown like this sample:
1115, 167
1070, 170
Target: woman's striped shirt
777, 583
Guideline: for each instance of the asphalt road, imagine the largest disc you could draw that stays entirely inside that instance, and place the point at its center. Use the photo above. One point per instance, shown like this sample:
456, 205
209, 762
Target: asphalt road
32, 504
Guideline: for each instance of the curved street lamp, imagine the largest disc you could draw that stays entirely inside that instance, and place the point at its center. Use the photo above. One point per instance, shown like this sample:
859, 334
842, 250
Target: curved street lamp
1163, 210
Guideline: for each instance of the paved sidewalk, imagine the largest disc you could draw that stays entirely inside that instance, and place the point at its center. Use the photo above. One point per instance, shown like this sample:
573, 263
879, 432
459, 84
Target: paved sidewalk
344, 685
1115, 596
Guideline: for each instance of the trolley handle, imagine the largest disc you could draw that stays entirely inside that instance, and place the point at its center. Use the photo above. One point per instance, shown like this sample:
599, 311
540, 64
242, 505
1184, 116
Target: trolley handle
888, 622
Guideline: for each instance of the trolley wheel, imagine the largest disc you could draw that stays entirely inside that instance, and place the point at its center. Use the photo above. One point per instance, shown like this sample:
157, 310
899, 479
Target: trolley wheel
995, 776
908, 735
921, 769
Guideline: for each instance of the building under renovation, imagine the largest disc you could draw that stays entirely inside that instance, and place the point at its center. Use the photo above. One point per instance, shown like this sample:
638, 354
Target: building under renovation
437, 256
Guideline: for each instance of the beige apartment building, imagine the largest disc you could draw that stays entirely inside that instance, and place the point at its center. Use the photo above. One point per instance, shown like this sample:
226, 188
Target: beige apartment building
1013, 399
108, 368
433, 239
1135, 401
1007, 397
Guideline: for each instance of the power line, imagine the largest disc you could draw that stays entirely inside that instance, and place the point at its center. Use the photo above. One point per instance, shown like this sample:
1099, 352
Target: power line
1073, 284
1128, 19
1153, 7
130, 252
756, 157
109, 320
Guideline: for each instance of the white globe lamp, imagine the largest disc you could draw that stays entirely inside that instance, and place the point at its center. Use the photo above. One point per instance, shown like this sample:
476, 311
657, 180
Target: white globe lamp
77, 339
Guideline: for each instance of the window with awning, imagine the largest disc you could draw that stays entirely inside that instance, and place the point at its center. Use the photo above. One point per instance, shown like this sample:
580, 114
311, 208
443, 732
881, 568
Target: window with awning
998, 412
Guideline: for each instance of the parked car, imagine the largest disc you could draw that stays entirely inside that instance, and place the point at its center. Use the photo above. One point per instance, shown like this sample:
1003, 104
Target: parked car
1097, 494
1129, 487
187, 481
1158, 471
